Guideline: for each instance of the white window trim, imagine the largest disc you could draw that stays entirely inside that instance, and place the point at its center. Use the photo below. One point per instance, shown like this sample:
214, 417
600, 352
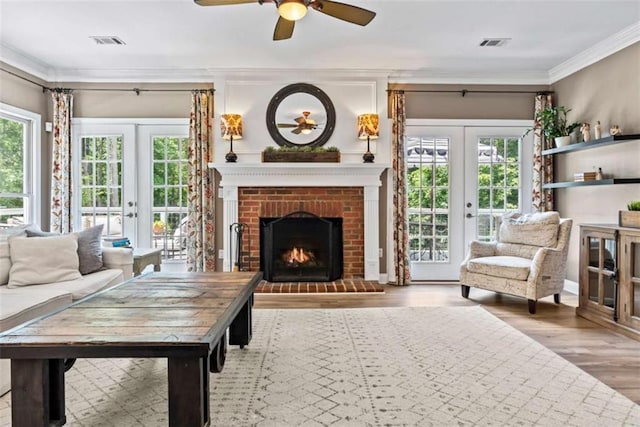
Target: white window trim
33, 152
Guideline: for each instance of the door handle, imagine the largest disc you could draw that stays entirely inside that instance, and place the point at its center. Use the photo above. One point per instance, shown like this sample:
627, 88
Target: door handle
470, 215
131, 215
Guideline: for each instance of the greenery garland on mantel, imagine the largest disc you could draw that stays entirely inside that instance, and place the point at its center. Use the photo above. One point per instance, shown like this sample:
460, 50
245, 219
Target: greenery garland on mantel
301, 154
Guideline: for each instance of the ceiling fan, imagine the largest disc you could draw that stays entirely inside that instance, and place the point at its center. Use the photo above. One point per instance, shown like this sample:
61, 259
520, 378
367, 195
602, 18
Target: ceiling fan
304, 124
292, 10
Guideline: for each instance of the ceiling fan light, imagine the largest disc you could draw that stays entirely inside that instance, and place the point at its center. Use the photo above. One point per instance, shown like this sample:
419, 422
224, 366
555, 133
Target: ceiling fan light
292, 10
306, 131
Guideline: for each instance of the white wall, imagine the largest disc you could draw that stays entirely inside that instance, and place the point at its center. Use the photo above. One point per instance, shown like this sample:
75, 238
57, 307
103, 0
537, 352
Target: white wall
250, 97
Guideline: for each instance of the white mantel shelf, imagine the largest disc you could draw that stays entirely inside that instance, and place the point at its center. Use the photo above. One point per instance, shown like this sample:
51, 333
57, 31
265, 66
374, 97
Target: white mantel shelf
299, 174
366, 175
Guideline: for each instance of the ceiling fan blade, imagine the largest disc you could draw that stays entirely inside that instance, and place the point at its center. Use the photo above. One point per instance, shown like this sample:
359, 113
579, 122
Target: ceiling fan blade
346, 12
222, 2
297, 130
286, 125
284, 29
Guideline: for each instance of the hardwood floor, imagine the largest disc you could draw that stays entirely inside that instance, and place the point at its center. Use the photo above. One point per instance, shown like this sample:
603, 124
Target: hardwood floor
612, 358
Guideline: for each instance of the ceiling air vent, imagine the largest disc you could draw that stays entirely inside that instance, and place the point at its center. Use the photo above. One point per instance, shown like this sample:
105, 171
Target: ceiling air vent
107, 40
493, 42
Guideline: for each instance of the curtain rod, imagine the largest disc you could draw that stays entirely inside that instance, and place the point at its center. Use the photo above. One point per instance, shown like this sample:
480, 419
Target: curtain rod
136, 90
463, 92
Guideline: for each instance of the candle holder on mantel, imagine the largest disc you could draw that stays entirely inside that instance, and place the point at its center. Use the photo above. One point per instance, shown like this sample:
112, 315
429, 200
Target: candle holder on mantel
368, 129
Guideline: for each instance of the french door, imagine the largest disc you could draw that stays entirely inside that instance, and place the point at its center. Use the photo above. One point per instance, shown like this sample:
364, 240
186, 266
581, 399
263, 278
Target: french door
460, 176
131, 177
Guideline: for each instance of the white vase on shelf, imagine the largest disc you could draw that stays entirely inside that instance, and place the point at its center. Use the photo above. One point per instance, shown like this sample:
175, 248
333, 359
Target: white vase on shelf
562, 141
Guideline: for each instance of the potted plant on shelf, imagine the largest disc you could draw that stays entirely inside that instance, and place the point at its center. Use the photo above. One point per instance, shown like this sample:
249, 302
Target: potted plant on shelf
630, 217
553, 121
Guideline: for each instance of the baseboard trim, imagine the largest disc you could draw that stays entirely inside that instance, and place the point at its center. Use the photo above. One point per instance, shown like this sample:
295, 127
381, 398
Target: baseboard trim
571, 286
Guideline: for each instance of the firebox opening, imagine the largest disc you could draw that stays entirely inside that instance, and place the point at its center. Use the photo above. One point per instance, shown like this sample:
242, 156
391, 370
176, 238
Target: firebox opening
301, 247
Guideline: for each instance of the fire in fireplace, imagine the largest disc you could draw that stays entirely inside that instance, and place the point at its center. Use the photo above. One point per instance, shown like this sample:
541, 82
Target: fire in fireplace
301, 247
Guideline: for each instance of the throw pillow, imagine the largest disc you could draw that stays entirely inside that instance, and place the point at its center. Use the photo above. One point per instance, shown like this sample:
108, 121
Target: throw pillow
537, 229
89, 247
39, 260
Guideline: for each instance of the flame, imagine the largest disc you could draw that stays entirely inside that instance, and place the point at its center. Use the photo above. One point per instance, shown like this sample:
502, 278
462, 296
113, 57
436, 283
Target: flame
297, 256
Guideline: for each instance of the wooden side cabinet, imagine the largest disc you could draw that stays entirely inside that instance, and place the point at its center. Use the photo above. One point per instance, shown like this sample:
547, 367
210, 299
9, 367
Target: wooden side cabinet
610, 277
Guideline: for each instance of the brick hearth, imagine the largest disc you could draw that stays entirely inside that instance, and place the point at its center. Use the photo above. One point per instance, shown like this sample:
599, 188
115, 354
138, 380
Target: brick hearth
335, 202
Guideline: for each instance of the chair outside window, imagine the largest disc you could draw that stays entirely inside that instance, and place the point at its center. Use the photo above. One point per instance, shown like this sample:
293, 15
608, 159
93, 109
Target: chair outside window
527, 259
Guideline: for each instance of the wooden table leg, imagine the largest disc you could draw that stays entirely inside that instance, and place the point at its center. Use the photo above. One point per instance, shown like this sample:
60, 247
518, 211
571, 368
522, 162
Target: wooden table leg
37, 392
240, 328
188, 391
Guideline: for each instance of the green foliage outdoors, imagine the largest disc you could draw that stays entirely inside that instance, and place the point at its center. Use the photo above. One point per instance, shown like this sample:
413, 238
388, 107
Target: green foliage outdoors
11, 162
302, 149
102, 175
498, 182
634, 205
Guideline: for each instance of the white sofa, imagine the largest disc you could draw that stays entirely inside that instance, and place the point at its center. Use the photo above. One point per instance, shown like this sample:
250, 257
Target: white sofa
24, 303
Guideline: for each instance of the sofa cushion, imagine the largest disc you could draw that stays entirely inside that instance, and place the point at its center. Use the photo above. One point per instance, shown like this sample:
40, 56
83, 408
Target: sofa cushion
89, 247
538, 229
38, 260
20, 305
508, 267
87, 284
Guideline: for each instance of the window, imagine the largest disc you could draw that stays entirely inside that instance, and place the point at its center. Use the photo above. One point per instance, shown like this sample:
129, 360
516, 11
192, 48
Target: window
428, 198
499, 184
170, 172
20, 166
101, 183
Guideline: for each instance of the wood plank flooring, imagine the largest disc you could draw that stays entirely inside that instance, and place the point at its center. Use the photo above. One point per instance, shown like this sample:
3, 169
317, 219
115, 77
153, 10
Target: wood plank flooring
612, 358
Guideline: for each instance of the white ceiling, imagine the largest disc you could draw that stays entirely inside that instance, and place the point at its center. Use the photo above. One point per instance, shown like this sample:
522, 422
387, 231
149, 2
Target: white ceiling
423, 40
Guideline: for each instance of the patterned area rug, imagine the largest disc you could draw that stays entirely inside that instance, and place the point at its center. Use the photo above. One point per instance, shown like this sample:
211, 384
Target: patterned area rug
452, 366
337, 286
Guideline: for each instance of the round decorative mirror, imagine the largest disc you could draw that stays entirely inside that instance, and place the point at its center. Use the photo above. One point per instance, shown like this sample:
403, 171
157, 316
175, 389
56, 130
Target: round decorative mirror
300, 114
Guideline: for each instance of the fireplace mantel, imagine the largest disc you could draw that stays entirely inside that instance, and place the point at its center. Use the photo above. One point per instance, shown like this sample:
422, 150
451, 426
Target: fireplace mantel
366, 175
299, 174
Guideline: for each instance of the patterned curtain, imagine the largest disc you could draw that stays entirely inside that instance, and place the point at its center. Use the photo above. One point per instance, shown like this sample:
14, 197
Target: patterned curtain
60, 220
200, 197
542, 166
400, 235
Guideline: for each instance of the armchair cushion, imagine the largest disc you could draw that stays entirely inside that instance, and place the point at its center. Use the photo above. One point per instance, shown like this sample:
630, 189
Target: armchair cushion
509, 267
537, 229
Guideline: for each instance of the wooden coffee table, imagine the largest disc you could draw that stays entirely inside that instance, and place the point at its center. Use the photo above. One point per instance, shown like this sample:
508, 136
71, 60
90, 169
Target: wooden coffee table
181, 316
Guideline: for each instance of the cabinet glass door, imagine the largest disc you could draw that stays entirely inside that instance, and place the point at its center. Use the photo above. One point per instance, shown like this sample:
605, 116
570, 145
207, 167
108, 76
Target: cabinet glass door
634, 270
602, 255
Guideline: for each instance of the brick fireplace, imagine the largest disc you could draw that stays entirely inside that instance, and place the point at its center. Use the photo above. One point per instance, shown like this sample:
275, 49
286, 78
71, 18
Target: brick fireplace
335, 202
347, 191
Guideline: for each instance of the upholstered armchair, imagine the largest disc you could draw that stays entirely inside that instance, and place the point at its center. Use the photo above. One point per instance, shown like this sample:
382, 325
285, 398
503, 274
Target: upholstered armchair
527, 259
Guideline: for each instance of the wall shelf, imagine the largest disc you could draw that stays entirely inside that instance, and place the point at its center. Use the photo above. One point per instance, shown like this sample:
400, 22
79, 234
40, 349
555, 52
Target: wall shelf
607, 140
610, 181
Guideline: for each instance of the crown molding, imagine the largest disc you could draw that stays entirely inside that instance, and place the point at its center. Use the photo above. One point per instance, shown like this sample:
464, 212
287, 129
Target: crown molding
204, 75
25, 63
527, 77
601, 50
